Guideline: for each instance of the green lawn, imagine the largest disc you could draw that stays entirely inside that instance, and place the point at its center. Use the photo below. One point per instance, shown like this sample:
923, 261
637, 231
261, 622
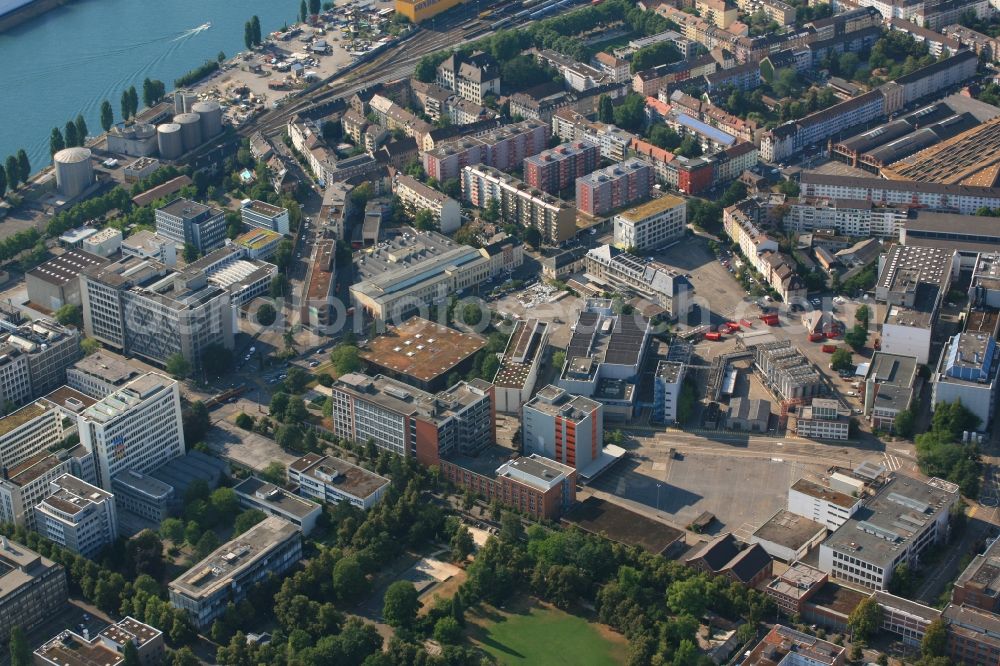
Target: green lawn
536, 635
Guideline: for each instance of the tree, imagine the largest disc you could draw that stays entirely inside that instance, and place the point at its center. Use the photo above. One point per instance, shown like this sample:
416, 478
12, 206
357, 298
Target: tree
533, 237
631, 113
447, 631
857, 336
605, 109
348, 578
864, 620
70, 133
247, 519
314, 7
223, 502
492, 211
107, 115
178, 366
133, 100
935, 640
206, 544
461, 544
89, 346
255, 29
130, 655
70, 315
196, 421
303, 11
172, 529
216, 359
126, 105
245, 421
13, 173
345, 359
841, 359
266, 314
511, 529
81, 129
3, 182
23, 166
863, 315
296, 412
905, 423
279, 403
425, 220
664, 137
248, 35
400, 604
190, 252
274, 472
56, 142
20, 650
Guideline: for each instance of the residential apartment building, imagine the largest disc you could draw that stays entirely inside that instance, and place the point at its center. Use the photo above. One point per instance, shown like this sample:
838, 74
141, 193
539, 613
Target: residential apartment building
963, 199
618, 270
472, 76
519, 203
651, 225
612, 187
577, 75
985, 46
33, 588
187, 222
848, 217
333, 480
255, 493
262, 215
144, 308
822, 503
409, 422
137, 427
967, 372
271, 547
503, 148
562, 427
416, 196
556, 169
896, 526
613, 142
650, 81
784, 140
617, 68
77, 516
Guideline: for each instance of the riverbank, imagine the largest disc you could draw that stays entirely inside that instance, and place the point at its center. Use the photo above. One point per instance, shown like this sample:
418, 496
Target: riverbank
27, 12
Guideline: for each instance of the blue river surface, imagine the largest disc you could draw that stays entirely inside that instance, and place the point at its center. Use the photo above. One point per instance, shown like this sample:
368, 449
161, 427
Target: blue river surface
67, 61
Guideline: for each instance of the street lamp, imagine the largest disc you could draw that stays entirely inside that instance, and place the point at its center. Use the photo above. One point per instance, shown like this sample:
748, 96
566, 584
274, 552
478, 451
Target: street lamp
658, 496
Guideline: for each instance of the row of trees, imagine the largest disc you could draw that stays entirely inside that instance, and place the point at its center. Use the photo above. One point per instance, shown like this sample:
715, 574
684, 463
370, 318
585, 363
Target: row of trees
14, 171
251, 32
74, 133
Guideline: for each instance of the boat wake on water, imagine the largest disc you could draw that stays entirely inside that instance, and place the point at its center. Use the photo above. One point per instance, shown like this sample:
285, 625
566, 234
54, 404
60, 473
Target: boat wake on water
193, 31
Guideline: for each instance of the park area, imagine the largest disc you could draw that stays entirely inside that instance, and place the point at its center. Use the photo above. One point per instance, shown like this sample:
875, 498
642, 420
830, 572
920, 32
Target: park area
526, 631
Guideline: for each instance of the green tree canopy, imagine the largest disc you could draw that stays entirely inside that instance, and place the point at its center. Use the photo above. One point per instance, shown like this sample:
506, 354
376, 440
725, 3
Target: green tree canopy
400, 604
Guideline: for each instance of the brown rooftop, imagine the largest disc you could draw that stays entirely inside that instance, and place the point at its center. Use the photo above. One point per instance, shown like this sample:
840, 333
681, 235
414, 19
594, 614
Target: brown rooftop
813, 489
421, 349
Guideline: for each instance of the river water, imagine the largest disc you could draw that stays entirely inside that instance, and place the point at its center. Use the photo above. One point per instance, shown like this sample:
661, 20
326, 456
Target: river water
70, 59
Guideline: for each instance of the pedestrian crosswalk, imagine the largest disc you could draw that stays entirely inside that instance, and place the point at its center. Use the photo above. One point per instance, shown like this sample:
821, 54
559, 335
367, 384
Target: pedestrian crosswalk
891, 462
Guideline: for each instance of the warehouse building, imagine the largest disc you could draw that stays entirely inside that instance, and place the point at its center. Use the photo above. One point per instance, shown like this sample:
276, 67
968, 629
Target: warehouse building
56, 282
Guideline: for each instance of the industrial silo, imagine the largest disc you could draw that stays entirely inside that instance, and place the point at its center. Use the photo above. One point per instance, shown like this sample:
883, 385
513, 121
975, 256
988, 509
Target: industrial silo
184, 100
190, 129
74, 172
211, 118
168, 136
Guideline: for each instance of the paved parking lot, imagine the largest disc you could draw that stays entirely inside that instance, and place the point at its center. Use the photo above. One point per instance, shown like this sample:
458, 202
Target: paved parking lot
715, 288
741, 491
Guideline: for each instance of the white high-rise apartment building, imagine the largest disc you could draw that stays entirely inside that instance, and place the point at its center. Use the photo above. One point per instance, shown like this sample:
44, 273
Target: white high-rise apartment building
137, 427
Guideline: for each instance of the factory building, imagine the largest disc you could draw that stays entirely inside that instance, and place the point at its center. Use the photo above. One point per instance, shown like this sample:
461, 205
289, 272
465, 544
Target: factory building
228, 268
100, 373
45, 346
27, 482
106, 647
787, 372
255, 493
149, 245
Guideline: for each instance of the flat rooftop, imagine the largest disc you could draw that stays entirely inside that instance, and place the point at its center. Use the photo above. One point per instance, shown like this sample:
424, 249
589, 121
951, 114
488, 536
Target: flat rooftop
825, 493
789, 530
126, 398
340, 474
66, 267
902, 510
107, 367
402, 398
621, 525
421, 349
522, 350
265, 208
217, 571
797, 581
258, 490
19, 566
188, 210
557, 402
17, 419
256, 239
653, 207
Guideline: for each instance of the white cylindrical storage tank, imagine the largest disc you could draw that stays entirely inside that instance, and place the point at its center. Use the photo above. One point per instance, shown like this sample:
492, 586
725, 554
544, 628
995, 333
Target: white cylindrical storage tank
168, 136
211, 118
183, 100
190, 129
74, 172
